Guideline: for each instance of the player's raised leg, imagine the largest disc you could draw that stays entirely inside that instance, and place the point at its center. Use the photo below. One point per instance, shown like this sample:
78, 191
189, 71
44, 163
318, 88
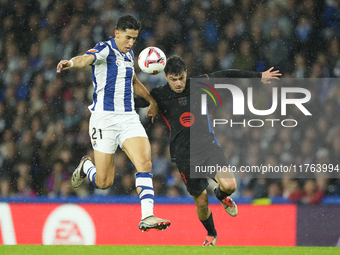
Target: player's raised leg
101, 175
79, 175
227, 186
205, 216
138, 149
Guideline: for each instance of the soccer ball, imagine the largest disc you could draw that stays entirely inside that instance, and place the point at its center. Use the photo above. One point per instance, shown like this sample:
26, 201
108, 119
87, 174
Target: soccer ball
152, 60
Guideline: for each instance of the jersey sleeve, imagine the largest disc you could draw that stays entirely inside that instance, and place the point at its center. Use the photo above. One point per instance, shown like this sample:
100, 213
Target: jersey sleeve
232, 73
100, 52
141, 102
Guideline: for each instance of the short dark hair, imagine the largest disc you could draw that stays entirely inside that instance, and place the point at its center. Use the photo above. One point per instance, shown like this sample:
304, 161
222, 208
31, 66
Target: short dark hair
175, 65
128, 22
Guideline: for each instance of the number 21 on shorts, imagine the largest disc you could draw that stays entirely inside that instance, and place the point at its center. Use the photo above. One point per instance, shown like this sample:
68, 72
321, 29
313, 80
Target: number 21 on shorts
96, 133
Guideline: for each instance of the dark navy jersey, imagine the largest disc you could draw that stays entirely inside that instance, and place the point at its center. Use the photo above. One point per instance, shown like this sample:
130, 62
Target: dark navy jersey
190, 132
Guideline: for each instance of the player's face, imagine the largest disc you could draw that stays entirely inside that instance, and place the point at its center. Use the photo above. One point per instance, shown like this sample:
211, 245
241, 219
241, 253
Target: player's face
125, 39
177, 82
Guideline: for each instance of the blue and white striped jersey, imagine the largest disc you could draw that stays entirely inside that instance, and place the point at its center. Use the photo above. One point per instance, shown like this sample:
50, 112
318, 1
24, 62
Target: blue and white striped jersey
112, 74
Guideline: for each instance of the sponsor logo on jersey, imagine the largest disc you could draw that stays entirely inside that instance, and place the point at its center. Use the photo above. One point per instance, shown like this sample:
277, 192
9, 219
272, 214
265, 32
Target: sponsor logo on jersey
119, 63
187, 119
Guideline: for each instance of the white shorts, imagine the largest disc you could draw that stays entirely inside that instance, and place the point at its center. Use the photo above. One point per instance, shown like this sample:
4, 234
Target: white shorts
108, 130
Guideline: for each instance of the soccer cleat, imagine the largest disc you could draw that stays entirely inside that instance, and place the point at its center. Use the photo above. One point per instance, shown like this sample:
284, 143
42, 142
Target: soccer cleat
210, 241
78, 175
229, 205
153, 222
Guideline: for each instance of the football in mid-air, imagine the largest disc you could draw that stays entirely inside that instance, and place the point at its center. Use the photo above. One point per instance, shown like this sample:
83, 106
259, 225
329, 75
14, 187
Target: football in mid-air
152, 60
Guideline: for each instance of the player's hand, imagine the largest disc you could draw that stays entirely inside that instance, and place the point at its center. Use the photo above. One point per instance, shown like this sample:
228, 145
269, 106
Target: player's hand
268, 75
63, 65
152, 111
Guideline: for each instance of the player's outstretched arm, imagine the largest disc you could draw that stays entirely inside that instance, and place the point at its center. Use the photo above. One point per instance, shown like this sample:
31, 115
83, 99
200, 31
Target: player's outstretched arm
79, 62
268, 75
140, 90
265, 77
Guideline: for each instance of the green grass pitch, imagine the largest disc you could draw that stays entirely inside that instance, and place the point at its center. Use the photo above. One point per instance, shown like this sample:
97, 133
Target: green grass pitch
162, 250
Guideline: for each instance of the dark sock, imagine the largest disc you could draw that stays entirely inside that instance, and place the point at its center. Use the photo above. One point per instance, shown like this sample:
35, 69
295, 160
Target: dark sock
220, 194
209, 226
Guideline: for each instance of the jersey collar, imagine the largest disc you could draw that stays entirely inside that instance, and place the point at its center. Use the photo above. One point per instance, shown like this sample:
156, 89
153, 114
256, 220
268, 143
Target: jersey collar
113, 43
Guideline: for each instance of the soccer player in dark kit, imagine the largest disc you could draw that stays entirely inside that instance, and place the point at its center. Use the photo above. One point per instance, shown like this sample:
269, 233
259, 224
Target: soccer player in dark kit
173, 100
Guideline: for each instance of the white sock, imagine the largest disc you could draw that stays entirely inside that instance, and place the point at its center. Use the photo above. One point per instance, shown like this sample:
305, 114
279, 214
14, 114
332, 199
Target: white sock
144, 181
90, 171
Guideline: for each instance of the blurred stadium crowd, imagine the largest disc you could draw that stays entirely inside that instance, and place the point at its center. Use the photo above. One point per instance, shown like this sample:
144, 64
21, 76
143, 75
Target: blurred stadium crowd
44, 116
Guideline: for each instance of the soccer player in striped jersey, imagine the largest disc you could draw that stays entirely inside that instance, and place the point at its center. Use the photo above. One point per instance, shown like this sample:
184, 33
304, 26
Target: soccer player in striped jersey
114, 121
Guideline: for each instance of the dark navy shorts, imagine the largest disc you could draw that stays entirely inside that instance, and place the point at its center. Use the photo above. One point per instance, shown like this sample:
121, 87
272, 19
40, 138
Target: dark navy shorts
196, 186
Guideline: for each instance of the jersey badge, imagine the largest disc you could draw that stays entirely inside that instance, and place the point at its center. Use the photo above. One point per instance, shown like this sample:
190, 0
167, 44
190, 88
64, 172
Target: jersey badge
93, 50
119, 63
182, 101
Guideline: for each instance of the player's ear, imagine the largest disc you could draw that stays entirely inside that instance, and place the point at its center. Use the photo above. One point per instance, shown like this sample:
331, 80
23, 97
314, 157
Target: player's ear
165, 76
116, 33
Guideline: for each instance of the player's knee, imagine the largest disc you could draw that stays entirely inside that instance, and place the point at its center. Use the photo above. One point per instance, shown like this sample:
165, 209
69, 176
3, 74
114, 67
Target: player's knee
230, 186
104, 183
233, 186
